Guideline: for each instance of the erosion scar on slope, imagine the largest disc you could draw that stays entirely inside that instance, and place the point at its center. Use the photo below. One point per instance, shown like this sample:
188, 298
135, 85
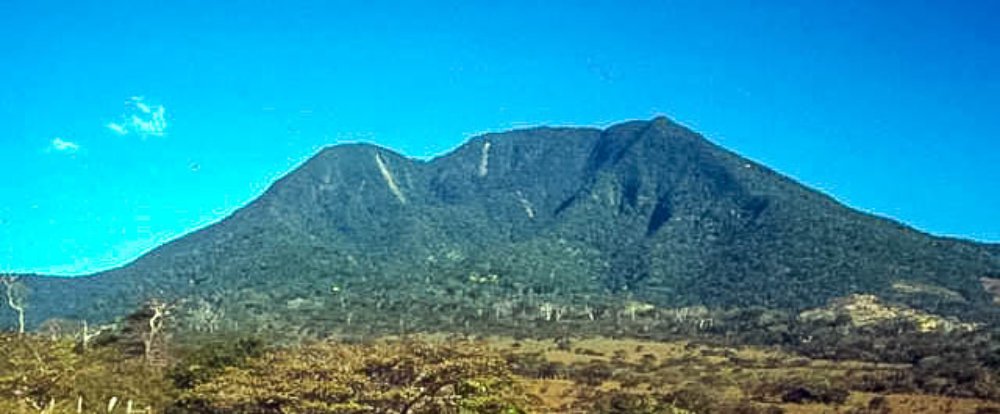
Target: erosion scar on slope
526, 205
391, 182
484, 161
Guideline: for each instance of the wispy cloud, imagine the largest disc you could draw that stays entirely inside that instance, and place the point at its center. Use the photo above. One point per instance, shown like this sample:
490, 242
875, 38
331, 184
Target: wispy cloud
61, 145
117, 128
141, 118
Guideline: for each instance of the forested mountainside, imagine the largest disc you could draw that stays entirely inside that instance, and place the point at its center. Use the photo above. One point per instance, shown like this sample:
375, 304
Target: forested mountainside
583, 222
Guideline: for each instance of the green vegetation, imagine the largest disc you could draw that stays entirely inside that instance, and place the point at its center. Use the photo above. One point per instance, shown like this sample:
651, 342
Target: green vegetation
207, 373
38, 374
584, 220
643, 230
54, 376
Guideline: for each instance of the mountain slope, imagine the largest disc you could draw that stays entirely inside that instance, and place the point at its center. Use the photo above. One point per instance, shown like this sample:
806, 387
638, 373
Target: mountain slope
643, 210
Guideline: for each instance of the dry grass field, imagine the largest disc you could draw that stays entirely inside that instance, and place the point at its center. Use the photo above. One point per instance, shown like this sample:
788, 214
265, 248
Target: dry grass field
713, 378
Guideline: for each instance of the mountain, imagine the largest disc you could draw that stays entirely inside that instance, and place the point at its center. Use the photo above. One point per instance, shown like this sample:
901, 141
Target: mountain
579, 220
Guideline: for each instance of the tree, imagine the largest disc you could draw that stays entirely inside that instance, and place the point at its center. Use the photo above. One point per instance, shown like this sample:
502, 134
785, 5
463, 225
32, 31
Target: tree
160, 310
143, 332
17, 295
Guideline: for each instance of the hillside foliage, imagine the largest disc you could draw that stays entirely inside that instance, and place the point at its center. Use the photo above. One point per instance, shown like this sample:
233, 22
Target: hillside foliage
579, 218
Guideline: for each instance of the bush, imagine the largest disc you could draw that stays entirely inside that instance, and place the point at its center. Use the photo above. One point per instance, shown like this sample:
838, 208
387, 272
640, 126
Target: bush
623, 402
592, 374
814, 394
36, 371
381, 377
801, 390
210, 359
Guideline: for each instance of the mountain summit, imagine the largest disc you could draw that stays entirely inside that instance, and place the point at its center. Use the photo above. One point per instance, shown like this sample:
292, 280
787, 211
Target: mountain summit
643, 211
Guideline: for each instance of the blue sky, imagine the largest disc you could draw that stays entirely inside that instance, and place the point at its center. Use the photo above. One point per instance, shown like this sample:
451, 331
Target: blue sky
124, 124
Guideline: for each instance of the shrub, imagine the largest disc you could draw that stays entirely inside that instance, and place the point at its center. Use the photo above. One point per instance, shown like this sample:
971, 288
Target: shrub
210, 359
36, 371
401, 377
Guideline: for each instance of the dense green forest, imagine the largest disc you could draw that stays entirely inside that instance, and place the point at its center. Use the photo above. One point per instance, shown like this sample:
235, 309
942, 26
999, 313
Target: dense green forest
578, 218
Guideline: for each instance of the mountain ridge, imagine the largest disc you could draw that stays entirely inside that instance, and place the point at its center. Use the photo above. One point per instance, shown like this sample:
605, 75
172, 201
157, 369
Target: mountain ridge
642, 209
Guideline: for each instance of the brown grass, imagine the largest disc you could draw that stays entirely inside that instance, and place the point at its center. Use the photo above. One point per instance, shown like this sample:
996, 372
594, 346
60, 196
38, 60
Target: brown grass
730, 373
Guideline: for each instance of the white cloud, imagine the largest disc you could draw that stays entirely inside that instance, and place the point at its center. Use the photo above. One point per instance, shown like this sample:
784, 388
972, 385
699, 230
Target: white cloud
117, 128
62, 145
141, 118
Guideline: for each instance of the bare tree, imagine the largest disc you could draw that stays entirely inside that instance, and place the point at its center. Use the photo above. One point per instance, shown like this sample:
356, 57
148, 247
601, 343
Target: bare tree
17, 295
86, 334
160, 310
